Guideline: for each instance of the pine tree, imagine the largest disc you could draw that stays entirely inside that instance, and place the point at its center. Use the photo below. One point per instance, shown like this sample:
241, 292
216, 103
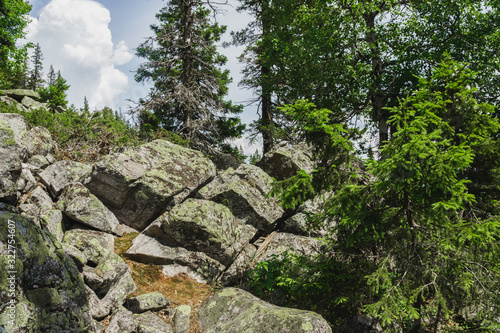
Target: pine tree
51, 77
85, 105
189, 86
35, 80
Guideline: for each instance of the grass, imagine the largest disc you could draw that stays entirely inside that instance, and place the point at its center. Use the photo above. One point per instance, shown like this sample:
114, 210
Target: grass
179, 289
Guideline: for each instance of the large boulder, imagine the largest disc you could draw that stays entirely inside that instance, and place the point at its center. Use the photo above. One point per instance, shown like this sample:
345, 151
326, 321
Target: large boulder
124, 321
19, 127
284, 160
10, 164
139, 184
244, 191
40, 141
235, 310
149, 250
36, 204
58, 175
95, 245
278, 243
41, 288
6, 100
19, 94
209, 227
32, 104
79, 204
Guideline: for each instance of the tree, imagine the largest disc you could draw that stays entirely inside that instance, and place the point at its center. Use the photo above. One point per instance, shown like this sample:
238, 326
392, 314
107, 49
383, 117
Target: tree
55, 93
431, 255
13, 21
35, 79
188, 84
258, 69
85, 105
356, 58
51, 76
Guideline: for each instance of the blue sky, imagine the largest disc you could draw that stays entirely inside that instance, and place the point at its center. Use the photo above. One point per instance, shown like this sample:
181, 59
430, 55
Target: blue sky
92, 43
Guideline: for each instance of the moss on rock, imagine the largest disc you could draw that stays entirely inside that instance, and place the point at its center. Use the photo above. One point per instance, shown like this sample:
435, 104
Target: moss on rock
235, 310
48, 292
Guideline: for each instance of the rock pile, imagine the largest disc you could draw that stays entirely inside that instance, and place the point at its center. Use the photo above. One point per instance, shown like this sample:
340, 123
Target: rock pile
191, 218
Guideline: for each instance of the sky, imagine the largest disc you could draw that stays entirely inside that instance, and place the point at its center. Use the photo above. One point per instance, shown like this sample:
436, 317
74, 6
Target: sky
93, 42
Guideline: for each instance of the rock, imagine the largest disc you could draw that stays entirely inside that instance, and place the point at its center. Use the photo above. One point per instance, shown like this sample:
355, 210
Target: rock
31, 104
243, 190
95, 245
78, 257
10, 164
123, 229
115, 297
285, 159
111, 268
48, 292
38, 203
122, 322
91, 278
19, 127
40, 141
19, 94
26, 182
59, 109
52, 221
206, 226
235, 310
148, 322
79, 204
281, 242
58, 175
138, 184
237, 272
38, 161
176, 269
12, 102
154, 301
181, 319
149, 250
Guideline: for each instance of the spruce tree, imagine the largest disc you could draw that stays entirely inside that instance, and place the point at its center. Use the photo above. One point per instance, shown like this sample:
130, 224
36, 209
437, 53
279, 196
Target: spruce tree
188, 83
414, 219
35, 79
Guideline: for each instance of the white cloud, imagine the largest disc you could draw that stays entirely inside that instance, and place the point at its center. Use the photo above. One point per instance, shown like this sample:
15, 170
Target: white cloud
75, 38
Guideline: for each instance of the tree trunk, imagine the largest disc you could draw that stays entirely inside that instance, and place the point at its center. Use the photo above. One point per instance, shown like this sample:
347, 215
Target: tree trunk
187, 64
267, 112
376, 95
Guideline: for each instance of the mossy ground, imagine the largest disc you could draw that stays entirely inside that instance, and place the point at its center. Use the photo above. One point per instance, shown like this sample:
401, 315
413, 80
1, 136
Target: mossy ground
179, 289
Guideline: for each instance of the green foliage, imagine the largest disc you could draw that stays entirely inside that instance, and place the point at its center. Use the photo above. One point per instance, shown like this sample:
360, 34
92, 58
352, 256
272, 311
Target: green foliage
54, 94
358, 57
82, 137
189, 85
255, 157
415, 221
331, 149
13, 21
300, 281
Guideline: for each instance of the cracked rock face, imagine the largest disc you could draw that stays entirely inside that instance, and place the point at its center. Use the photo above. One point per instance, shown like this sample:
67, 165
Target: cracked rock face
244, 191
139, 184
206, 226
